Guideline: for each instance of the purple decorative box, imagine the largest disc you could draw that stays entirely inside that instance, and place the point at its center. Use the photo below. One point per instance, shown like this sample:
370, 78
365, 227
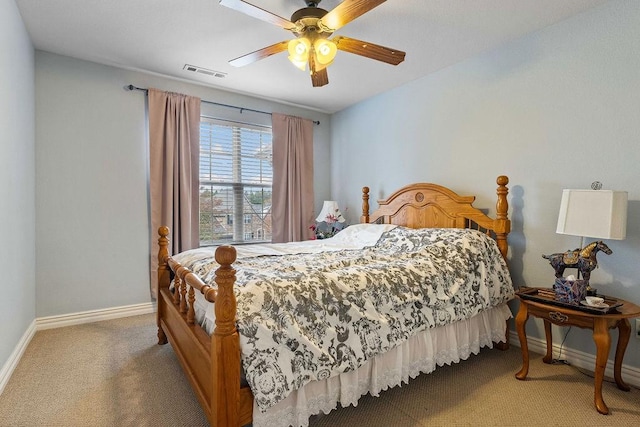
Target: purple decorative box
570, 291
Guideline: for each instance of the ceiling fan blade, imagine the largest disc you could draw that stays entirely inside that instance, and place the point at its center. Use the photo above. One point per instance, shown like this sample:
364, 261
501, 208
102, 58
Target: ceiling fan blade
347, 11
265, 52
369, 50
257, 12
318, 77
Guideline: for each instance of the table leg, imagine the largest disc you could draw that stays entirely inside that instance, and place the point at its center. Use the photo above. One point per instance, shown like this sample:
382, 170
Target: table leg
624, 332
603, 343
548, 358
521, 320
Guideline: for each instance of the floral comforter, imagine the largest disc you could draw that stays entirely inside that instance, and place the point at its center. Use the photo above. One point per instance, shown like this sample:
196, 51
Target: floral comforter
305, 317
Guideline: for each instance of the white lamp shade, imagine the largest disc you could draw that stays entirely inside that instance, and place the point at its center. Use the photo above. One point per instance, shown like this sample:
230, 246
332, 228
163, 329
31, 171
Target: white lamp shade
600, 214
330, 207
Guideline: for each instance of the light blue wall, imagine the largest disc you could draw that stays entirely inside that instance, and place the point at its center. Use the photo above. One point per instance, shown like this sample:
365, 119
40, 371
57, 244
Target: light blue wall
17, 180
556, 109
92, 220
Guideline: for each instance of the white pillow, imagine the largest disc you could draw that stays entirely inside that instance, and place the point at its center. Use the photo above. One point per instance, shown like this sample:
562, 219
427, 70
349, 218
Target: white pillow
361, 235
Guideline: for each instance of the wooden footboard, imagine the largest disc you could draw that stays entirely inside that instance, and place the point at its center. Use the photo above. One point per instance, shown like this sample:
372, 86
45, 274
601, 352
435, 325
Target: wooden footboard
211, 363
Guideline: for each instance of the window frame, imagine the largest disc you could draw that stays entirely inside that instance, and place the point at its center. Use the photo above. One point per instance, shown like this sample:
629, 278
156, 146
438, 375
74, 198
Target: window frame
237, 226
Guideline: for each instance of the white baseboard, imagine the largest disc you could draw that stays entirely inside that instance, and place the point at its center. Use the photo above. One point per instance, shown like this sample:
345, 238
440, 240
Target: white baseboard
586, 361
14, 358
79, 318
631, 375
50, 322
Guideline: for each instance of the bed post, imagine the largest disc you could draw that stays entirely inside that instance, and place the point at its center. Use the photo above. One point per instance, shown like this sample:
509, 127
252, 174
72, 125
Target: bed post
225, 344
164, 276
502, 229
503, 225
364, 219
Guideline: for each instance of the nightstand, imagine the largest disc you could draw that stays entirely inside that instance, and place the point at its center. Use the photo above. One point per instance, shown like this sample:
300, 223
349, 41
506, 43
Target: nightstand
533, 303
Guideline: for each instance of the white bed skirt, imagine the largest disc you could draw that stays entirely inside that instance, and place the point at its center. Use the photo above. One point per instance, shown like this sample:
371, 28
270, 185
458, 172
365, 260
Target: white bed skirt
420, 354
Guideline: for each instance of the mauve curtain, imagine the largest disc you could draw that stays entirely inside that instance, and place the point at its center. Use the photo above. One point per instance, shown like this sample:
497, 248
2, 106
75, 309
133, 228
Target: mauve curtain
293, 205
174, 145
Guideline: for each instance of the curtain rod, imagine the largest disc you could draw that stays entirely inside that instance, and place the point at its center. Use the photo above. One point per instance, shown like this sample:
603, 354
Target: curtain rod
132, 87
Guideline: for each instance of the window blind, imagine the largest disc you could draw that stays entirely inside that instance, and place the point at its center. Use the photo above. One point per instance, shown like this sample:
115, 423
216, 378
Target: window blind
236, 176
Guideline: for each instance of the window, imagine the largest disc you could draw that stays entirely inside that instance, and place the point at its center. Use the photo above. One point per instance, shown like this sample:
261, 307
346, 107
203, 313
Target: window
236, 175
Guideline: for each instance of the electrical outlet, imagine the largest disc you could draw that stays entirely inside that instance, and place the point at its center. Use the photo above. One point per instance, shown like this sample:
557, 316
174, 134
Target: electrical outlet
638, 328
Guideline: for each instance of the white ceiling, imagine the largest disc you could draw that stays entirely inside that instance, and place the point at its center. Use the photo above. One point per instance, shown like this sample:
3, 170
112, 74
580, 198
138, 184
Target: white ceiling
161, 36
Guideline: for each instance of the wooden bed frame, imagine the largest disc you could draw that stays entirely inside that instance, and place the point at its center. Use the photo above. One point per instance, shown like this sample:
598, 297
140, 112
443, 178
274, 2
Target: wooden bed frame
212, 363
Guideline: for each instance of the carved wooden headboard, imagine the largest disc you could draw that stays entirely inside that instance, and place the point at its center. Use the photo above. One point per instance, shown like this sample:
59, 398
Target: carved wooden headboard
426, 205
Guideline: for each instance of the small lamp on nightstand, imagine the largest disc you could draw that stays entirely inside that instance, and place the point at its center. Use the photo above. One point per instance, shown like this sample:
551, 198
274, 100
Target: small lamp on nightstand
599, 214
330, 212
329, 221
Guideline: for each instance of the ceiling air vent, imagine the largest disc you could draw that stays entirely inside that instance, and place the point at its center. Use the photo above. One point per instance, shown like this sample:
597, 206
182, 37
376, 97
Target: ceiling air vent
205, 71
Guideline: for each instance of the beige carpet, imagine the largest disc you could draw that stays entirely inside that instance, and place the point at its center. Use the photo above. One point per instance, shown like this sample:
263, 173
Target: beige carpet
113, 373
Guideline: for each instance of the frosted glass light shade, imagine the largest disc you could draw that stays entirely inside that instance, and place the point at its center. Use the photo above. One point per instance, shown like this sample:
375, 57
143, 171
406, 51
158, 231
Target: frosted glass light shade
330, 207
600, 214
325, 51
299, 52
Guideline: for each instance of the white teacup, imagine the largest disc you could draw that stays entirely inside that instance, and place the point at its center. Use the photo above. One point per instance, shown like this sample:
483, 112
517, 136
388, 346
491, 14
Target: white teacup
594, 300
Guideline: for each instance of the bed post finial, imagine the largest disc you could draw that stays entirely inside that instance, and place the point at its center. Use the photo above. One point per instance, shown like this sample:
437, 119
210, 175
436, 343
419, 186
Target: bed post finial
503, 225
163, 244
225, 344
225, 298
365, 205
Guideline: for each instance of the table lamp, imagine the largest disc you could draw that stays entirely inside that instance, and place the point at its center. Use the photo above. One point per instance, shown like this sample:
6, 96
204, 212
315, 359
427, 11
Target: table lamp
330, 212
599, 214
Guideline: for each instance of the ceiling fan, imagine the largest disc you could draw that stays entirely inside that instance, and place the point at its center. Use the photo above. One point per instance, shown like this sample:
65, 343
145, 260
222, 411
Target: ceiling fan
312, 27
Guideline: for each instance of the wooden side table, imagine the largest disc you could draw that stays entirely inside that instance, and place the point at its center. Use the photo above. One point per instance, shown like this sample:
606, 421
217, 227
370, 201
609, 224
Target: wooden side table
544, 307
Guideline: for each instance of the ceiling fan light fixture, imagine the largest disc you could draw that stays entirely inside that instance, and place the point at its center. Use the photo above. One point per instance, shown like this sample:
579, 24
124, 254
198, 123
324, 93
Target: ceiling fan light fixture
299, 52
298, 63
312, 26
325, 51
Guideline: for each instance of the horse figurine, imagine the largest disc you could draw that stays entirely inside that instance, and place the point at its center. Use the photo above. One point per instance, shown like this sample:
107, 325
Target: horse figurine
583, 259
